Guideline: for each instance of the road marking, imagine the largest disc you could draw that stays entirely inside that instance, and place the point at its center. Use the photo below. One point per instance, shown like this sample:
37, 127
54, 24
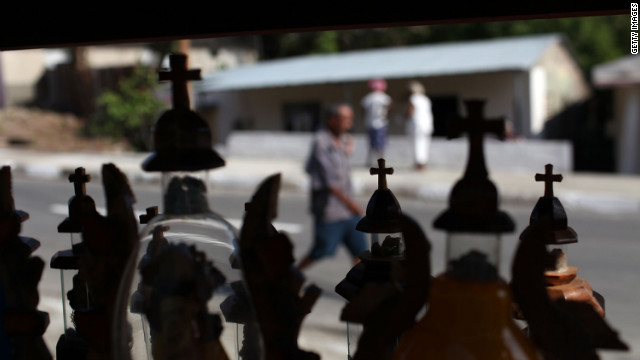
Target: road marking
287, 227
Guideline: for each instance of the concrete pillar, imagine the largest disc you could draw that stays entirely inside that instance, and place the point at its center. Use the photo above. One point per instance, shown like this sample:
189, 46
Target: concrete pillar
184, 46
521, 104
347, 94
2, 102
537, 99
628, 118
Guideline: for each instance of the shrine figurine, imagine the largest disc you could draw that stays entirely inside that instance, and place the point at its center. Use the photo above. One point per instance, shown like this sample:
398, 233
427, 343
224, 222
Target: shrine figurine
158, 242
23, 324
382, 222
237, 307
470, 307
273, 282
562, 329
388, 309
100, 259
70, 345
186, 264
561, 278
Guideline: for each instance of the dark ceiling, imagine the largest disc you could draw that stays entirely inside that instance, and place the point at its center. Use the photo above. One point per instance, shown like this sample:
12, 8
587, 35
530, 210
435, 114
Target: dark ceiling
26, 25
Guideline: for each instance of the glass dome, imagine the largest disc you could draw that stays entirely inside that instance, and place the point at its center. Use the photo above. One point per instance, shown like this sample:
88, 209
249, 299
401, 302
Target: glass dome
186, 296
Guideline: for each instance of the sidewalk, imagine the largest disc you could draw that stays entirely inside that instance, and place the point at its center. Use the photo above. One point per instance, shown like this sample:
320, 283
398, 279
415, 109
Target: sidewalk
594, 192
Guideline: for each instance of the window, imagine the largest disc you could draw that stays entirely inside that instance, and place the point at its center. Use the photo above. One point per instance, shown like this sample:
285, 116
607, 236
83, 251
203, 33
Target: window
303, 116
443, 107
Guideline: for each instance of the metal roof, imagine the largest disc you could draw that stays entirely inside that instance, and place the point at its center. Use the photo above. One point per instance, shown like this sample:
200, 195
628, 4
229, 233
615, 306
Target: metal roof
623, 71
463, 57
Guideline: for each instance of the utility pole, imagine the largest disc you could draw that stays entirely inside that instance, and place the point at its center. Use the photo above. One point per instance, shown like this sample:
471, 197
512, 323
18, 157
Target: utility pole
184, 46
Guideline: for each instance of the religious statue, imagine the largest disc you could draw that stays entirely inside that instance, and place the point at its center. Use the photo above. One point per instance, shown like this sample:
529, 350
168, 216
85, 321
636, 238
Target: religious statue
23, 325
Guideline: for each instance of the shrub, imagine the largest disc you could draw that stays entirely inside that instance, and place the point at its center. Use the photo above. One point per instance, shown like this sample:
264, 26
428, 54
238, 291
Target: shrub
129, 111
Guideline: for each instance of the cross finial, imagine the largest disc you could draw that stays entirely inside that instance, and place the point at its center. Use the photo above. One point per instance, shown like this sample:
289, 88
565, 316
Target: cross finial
382, 172
151, 213
549, 178
179, 75
476, 126
79, 179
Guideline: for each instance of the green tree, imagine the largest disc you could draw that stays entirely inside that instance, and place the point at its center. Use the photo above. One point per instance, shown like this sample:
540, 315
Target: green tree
162, 49
129, 111
594, 39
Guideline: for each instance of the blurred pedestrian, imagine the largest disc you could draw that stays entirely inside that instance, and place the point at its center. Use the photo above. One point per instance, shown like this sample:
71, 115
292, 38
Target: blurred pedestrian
334, 210
376, 107
419, 124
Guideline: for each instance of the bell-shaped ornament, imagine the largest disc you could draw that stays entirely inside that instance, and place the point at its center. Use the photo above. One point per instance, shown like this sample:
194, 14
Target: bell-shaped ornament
186, 297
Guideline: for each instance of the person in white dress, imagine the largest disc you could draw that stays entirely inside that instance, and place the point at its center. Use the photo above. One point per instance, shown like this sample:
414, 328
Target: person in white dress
419, 124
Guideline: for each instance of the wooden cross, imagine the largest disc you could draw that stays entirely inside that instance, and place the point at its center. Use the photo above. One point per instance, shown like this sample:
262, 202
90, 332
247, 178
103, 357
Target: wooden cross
151, 213
179, 75
475, 125
382, 172
549, 178
79, 179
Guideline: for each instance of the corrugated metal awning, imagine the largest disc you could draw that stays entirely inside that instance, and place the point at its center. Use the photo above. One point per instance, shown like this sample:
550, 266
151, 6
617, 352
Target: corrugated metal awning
623, 71
515, 53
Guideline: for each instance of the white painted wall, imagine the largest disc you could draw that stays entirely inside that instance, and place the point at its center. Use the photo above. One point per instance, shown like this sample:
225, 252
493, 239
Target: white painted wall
565, 82
263, 107
538, 99
22, 66
111, 56
21, 69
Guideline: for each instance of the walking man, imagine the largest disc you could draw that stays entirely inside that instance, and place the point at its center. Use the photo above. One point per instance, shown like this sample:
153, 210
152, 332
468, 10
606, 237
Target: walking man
333, 208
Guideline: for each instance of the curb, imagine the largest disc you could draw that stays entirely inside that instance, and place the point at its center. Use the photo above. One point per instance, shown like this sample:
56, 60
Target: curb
244, 174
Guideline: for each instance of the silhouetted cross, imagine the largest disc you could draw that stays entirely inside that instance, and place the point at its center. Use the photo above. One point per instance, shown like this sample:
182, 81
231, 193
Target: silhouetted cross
79, 179
382, 172
151, 213
179, 75
476, 126
549, 178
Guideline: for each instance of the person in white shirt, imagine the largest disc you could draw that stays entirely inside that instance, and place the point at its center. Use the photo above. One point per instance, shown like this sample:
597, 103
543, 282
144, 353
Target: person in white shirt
376, 106
419, 124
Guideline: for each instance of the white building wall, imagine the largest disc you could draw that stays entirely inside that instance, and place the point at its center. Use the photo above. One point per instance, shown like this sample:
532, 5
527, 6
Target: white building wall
111, 56
565, 82
20, 71
538, 99
22, 66
262, 109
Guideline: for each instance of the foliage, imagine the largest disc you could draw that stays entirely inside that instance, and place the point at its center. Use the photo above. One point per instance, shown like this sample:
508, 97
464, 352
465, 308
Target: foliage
594, 39
129, 111
162, 49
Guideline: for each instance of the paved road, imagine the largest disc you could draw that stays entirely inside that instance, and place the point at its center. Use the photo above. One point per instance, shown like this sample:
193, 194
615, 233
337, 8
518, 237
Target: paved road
606, 254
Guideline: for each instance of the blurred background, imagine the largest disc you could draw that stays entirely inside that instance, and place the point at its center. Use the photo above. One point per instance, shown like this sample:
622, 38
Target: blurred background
567, 88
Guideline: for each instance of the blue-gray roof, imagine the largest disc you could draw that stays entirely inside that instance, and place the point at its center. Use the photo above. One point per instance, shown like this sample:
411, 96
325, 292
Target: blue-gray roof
622, 71
463, 57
